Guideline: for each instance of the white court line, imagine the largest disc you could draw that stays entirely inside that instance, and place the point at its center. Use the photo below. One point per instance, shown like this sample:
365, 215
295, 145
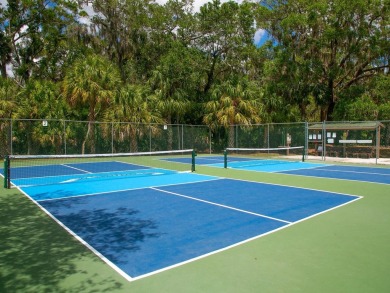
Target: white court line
81, 240
129, 278
221, 205
334, 178
241, 242
357, 172
78, 169
297, 169
123, 190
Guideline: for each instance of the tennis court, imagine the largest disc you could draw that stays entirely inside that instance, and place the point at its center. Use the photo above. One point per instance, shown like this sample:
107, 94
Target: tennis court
142, 220
296, 167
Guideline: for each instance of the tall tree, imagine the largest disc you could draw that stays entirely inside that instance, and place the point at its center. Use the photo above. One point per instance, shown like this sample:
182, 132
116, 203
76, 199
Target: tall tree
39, 99
30, 34
91, 84
135, 105
174, 81
8, 92
236, 101
324, 47
225, 35
124, 28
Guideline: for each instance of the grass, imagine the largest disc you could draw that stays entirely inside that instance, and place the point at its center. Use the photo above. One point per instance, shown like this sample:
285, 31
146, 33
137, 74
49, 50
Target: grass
343, 250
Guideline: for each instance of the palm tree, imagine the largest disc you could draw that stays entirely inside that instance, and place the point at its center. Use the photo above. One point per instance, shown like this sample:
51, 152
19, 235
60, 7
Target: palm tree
172, 100
8, 91
91, 83
233, 102
135, 105
39, 99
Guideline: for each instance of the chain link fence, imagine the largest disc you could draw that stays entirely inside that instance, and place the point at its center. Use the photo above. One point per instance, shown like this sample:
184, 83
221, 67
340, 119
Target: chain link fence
49, 137
349, 139
56, 137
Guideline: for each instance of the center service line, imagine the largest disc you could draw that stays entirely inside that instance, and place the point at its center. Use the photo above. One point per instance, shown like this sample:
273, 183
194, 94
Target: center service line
221, 205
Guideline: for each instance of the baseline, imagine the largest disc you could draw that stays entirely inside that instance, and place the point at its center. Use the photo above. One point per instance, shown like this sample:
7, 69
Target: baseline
158, 226
277, 201
361, 174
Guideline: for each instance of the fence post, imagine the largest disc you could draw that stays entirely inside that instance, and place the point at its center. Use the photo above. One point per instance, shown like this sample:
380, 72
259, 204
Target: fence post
210, 136
150, 138
11, 138
378, 142
112, 137
193, 160
64, 135
7, 180
306, 141
267, 135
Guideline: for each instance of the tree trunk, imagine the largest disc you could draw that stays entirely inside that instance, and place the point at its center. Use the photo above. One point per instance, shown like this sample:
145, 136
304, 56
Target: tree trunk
86, 138
133, 139
327, 111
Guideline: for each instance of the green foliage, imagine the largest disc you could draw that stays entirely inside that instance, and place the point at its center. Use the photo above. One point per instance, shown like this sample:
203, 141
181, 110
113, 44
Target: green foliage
40, 99
225, 36
176, 80
384, 111
91, 83
31, 33
122, 29
236, 101
140, 61
361, 109
8, 91
325, 47
233, 102
135, 104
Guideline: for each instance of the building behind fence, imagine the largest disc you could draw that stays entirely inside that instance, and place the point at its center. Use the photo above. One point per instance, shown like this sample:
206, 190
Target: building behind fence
53, 137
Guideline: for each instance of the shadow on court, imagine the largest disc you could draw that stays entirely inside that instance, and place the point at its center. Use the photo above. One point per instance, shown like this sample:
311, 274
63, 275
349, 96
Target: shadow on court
37, 255
114, 233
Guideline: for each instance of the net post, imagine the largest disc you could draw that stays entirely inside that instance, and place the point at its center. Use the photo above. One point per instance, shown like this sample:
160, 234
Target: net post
225, 158
193, 155
7, 180
303, 154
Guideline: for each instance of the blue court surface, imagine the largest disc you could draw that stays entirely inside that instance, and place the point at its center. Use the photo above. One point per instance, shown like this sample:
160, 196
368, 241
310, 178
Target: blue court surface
143, 224
365, 174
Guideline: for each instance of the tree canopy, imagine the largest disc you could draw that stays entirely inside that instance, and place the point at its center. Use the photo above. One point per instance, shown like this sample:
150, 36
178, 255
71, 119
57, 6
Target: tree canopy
140, 61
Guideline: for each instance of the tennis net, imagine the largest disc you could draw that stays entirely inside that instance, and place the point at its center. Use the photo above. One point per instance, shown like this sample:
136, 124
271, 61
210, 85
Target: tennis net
247, 157
31, 170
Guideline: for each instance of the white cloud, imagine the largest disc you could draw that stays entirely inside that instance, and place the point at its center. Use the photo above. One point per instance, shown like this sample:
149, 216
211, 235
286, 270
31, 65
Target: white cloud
260, 35
90, 12
3, 3
10, 72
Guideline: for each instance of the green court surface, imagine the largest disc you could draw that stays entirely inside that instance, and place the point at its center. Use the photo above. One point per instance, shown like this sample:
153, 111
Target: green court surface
343, 250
